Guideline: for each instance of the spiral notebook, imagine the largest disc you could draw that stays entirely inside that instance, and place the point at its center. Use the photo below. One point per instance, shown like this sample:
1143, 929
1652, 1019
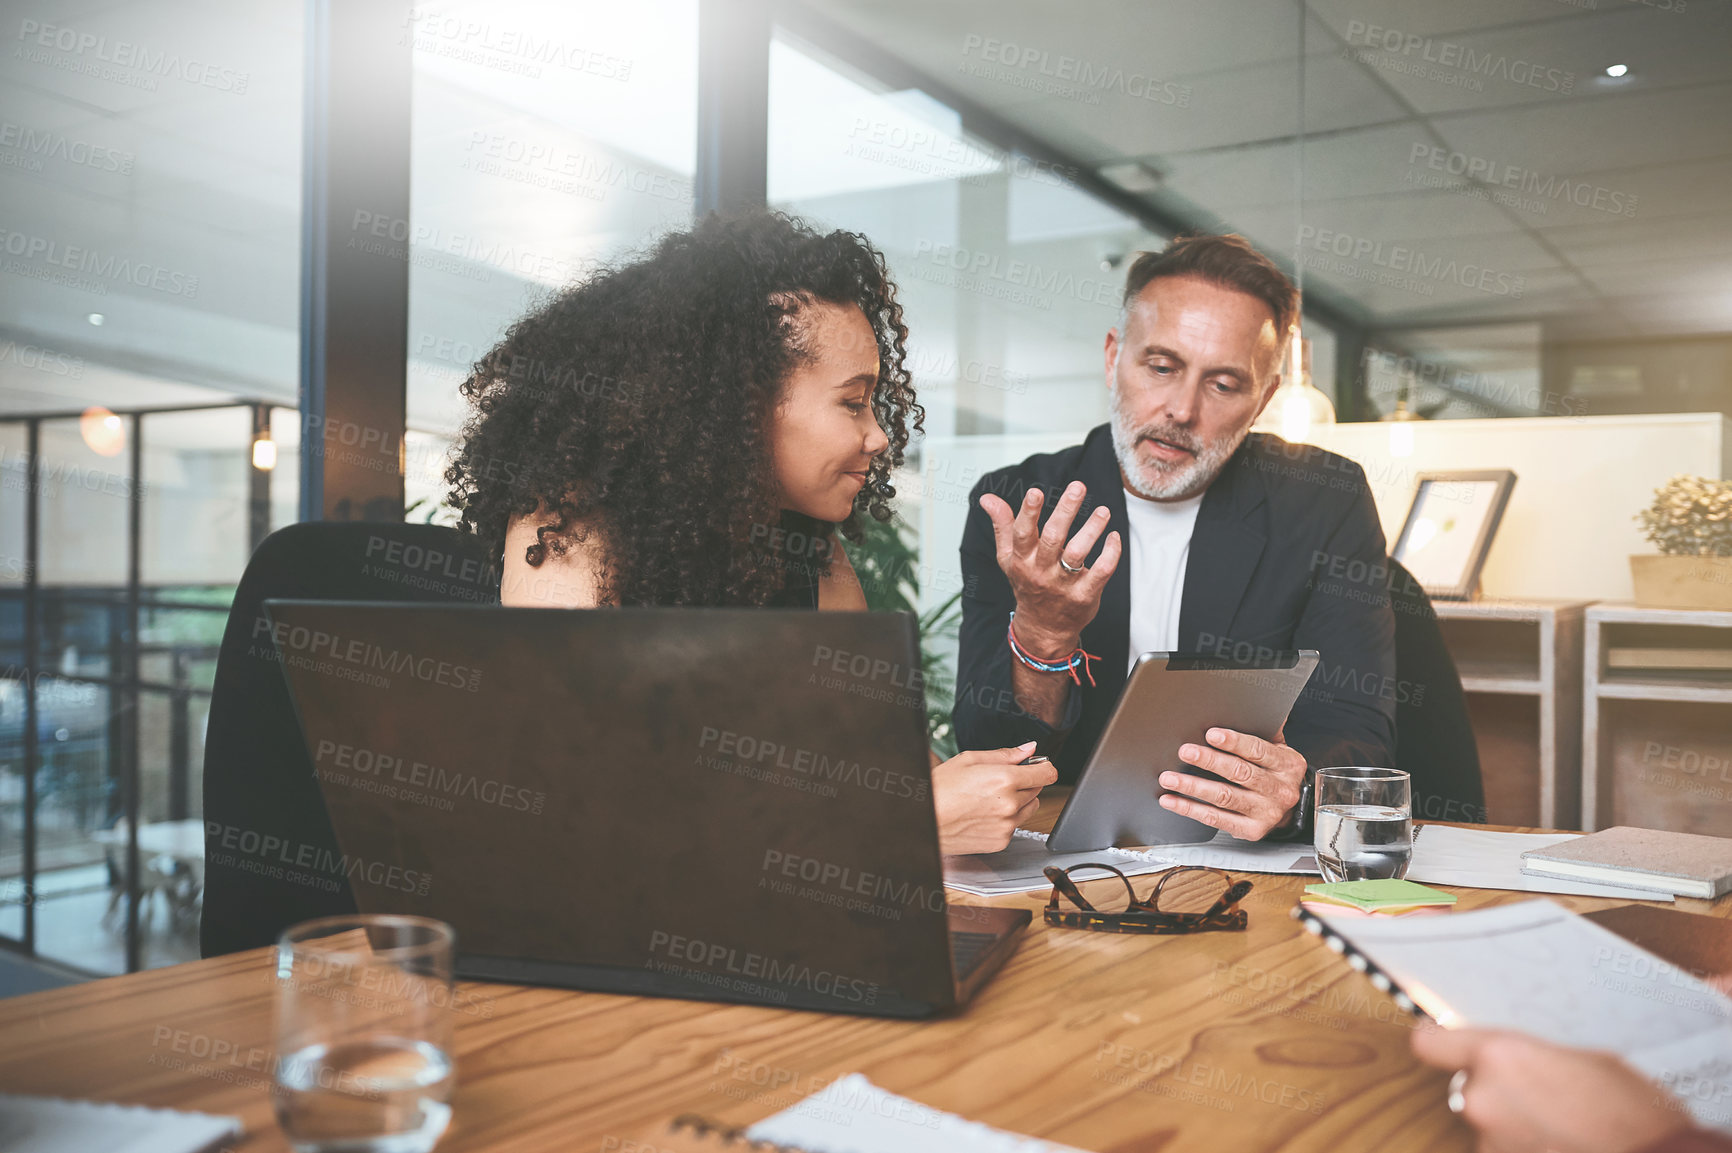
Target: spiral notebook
850, 1115
1538, 968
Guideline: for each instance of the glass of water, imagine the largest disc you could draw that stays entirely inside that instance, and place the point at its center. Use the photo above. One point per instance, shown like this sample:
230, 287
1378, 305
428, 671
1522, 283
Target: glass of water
363, 1034
1364, 824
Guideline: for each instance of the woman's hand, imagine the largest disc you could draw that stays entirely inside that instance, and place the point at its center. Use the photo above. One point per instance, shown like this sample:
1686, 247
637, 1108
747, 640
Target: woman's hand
981, 797
1524, 1093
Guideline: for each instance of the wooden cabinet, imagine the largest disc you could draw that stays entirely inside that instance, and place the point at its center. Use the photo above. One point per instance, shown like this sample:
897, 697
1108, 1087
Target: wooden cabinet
1657, 719
1521, 666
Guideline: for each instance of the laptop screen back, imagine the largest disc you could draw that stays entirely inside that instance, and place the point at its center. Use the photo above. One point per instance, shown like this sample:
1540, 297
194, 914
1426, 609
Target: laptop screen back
723, 804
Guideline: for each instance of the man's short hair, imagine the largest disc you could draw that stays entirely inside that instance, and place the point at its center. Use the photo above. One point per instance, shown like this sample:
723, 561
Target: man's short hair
1227, 261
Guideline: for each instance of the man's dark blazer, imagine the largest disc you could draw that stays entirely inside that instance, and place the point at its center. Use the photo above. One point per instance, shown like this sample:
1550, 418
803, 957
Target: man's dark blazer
1287, 553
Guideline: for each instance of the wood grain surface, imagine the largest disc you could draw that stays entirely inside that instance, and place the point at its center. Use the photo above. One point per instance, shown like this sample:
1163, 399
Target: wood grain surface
1259, 1040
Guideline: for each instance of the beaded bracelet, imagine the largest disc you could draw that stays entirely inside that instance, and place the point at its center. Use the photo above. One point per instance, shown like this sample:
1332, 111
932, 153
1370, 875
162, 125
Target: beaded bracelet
1068, 665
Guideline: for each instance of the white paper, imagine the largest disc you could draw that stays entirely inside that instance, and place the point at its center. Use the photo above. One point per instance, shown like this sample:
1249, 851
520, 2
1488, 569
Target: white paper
1697, 1068
1442, 855
852, 1115
1540, 969
1017, 868
1486, 859
1294, 858
50, 1125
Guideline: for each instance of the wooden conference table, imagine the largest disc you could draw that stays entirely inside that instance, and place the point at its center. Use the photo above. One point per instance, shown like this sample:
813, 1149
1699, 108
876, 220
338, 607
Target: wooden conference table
1224, 1041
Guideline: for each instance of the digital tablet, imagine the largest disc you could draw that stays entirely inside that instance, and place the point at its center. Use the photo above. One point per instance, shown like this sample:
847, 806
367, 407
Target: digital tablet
1171, 699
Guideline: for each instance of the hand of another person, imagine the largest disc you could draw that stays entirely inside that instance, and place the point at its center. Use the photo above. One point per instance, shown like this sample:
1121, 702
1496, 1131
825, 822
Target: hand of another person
1523, 1093
981, 797
1052, 603
1263, 782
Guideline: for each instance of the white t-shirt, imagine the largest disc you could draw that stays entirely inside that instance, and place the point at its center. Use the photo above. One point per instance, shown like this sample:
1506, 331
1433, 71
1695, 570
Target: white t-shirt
1158, 548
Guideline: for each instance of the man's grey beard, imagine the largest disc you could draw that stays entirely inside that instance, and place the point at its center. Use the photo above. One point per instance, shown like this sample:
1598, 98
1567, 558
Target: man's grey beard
1153, 480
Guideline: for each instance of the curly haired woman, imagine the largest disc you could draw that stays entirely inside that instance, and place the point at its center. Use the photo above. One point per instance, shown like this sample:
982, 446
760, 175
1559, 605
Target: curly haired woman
644, 437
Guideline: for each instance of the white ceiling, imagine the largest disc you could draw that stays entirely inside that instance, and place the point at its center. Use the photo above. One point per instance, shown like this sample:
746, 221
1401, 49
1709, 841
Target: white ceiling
208, 186
212, 186
1227, 156
195, 180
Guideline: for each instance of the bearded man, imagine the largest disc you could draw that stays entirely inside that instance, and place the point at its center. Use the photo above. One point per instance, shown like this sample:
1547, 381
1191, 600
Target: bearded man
1174, 528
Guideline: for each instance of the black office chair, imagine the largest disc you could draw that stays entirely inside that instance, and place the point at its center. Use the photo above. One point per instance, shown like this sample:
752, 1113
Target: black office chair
1433, 733
271, 858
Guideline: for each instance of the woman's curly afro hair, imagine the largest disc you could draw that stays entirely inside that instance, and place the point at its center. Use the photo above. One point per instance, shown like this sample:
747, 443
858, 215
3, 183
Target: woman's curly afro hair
638, 403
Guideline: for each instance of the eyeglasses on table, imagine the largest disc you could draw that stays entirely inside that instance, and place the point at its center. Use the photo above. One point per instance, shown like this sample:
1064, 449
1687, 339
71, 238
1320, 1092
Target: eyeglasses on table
1186, 899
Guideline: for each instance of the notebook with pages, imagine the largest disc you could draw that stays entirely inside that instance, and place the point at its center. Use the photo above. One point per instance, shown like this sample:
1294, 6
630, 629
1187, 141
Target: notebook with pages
1539, 968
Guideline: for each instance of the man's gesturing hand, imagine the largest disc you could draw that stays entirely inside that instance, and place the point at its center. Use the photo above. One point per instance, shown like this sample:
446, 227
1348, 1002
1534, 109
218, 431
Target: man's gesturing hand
1052, 603
1264, 779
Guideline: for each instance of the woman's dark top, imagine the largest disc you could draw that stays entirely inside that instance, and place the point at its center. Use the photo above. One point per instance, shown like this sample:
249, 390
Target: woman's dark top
803, 548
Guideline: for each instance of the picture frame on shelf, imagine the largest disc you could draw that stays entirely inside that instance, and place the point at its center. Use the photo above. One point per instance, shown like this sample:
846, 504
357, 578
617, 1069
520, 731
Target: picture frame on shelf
1450, 527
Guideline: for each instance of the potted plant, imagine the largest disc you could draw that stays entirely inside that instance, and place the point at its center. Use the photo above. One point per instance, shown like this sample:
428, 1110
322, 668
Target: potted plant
888, 565
1690, 522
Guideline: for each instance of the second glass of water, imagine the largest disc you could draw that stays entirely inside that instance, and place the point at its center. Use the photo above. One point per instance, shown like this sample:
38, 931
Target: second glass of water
1364, 823
364, 1024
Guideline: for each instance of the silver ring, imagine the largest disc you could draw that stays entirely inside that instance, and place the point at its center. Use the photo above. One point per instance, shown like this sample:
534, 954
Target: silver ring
1458, 1091
1073, 570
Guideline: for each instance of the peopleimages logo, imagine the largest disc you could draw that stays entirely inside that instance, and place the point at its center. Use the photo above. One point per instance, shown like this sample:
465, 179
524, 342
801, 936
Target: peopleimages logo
428, 561
726, 959
66, 261
1692, 761
923, 364
928, 150
46, 145
41, 360
284, 859
310, 645
410, 777
1482, 388
726, 750
519, 50
1398, 260
458, 252
550, 166
52, 477
1448, 54
1522, 180
852, 882
1089, 78
90, 49
1017, 280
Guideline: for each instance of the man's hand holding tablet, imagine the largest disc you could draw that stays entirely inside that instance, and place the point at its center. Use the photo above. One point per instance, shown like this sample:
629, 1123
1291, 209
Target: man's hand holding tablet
1261, 789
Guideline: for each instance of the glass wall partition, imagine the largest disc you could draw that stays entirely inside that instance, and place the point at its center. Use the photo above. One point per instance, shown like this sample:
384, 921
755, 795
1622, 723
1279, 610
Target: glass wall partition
1009, 274
548, 138
143, 521
150, 164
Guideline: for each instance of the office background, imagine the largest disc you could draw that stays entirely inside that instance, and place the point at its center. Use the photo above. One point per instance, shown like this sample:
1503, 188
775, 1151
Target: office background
249, 251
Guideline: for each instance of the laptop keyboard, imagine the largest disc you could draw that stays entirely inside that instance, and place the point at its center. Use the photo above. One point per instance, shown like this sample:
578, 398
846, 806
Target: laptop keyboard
967, 950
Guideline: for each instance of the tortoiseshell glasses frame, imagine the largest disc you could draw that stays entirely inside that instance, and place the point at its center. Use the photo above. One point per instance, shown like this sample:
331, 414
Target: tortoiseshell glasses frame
1145, 915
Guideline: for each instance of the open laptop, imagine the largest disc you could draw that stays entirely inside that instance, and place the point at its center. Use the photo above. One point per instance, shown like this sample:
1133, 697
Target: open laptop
729, 805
